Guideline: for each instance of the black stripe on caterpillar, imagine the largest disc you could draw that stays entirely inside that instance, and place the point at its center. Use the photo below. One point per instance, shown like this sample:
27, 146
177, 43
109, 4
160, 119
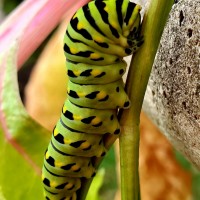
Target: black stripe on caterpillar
97, 38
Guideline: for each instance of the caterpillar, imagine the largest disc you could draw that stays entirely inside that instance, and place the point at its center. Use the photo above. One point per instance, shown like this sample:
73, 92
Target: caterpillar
97, 38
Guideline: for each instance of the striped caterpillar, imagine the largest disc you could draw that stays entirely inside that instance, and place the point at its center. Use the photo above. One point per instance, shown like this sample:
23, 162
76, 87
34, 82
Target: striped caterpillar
97, 38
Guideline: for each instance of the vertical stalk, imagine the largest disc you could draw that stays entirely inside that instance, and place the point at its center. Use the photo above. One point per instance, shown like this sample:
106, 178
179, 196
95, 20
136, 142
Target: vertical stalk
152, 28
129, 158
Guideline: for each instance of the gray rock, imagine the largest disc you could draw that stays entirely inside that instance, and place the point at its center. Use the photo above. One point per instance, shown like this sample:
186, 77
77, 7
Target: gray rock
172, 96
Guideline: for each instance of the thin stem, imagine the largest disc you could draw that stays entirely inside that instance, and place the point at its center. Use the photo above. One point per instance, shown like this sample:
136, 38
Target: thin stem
129, 155
153, 25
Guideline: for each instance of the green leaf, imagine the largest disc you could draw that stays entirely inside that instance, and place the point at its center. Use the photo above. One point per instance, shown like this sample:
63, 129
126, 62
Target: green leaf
182, 160
195, 184
1, 195
194, 172
18, 180
22, 140
96, 185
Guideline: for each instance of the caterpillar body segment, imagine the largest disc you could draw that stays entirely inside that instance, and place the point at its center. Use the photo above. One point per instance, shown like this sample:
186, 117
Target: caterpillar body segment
77, 143
60, 188
97, 38
86, 74
98, 96
65, 164
87, 120
85, 54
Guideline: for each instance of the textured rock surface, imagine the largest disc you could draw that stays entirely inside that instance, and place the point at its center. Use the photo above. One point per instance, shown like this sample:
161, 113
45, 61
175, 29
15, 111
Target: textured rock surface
172, 97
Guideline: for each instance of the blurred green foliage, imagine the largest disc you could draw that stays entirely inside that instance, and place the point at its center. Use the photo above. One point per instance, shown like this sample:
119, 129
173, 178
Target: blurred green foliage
18, 180
193, 171
109, 186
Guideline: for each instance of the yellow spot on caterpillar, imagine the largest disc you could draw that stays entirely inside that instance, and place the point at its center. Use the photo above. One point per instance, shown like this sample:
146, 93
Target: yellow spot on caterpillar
99, 39
73, 50
55, 132
76, 72
43, 177
53, 184
95, 72
69, 185
101, 95
85, 145
75, 167
106, 8
47, 155
77, 117
126, 33
81, 94
80, 25
94, 56
96, 120
58, 164
64, 109
114, 24
67, 141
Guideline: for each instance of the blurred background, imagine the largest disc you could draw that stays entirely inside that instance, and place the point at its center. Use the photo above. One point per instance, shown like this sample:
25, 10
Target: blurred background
164, 173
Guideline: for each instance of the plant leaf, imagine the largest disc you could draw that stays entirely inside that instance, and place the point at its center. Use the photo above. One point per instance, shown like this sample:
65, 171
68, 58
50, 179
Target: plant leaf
32, 22
22, 140
18, 180
96, 185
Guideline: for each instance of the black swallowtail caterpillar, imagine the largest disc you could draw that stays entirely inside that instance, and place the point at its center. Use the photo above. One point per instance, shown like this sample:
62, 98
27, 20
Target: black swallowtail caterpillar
98, 36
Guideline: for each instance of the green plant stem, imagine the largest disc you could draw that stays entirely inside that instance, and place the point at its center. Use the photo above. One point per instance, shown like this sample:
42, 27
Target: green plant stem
129, 158
153, 25
152, 28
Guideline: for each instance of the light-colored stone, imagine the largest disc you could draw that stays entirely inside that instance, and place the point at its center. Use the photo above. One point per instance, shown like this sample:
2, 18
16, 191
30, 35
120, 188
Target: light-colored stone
172, 96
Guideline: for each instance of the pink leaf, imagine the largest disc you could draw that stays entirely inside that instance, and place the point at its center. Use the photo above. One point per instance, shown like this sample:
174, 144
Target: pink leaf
31, 23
